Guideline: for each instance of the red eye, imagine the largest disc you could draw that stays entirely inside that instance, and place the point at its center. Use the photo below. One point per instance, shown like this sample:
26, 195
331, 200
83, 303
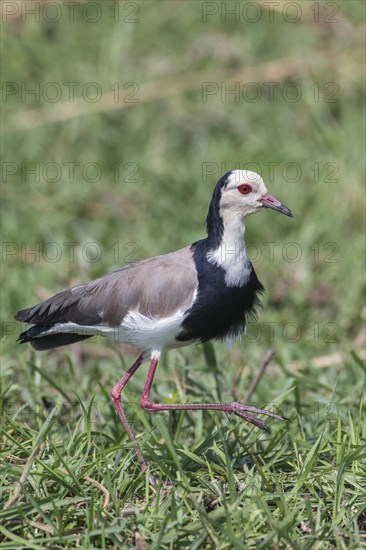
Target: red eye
244, 189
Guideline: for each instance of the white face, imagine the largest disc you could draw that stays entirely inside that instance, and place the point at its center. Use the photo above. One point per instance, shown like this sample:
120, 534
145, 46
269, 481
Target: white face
243, 192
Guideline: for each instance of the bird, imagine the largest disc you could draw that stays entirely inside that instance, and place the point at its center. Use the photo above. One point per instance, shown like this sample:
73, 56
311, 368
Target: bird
203, 292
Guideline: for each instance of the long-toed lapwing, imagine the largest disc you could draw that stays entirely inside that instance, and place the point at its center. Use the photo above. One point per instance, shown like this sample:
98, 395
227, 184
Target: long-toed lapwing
203, 292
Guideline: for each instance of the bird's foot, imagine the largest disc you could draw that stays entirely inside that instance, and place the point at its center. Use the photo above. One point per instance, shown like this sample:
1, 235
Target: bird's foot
244, 411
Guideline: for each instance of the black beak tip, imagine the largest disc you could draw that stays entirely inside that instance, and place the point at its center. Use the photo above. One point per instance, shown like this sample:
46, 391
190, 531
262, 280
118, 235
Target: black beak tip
286, 211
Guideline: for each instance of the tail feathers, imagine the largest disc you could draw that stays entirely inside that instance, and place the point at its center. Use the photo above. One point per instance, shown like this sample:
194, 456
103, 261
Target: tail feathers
56, 341
33, 332
40, 343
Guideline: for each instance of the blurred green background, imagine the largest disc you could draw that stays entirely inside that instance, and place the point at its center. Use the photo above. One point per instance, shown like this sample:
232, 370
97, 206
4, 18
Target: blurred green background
119, 118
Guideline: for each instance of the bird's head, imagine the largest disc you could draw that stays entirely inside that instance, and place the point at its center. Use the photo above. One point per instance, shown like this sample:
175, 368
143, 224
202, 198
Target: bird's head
243, 192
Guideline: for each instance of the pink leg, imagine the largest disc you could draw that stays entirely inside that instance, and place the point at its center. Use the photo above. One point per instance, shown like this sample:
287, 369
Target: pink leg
116, 400
230, 408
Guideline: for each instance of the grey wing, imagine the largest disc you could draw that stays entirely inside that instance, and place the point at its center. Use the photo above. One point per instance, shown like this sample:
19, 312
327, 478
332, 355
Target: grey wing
156, 287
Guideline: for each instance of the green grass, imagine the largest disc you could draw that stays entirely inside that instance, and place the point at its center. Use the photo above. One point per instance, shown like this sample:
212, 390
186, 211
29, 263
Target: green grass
69, 477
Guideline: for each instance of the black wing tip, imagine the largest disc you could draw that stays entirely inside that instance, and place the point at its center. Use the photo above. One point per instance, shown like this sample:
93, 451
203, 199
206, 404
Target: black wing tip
25, 315
21, 315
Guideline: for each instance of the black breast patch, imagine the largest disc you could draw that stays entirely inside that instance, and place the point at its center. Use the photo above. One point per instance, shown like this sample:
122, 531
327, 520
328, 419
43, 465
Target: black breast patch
219, 310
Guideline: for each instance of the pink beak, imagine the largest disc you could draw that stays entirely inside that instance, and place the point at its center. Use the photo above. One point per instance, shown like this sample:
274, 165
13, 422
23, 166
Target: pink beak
270, 202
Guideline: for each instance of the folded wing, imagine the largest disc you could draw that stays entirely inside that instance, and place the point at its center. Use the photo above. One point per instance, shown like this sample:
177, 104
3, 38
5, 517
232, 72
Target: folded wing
156, 288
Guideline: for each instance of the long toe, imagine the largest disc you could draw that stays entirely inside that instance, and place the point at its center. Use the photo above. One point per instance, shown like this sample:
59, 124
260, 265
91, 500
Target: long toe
252, 420
247, 408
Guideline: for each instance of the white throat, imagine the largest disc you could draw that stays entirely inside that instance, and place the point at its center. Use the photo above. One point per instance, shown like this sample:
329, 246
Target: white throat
232, 254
